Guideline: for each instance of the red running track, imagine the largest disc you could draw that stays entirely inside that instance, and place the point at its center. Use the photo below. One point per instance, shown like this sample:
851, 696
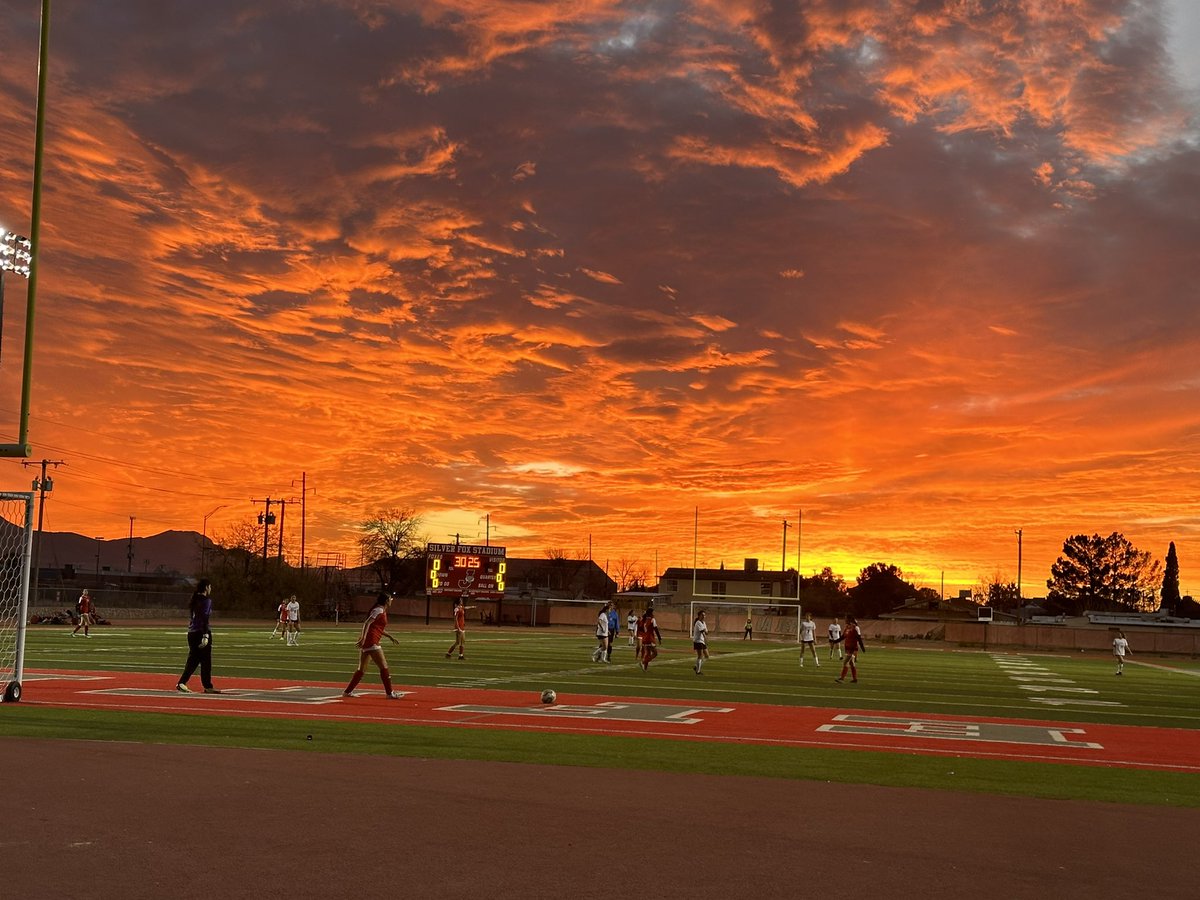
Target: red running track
1164, 749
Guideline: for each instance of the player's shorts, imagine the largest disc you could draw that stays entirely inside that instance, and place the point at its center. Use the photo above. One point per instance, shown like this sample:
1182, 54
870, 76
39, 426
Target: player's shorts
699, 645
295, 621
372, 647
809, 643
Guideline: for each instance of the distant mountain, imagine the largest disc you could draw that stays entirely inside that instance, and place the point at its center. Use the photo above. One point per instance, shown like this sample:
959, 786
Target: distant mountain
170, 551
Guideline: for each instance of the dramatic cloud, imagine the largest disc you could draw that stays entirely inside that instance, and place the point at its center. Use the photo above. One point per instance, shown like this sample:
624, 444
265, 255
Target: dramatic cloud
924, 269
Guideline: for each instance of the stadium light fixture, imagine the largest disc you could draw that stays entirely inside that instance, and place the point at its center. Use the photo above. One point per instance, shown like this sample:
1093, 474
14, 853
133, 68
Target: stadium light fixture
14, 257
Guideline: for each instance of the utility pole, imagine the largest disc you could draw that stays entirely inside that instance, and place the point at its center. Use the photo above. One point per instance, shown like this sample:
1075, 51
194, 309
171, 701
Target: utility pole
266, 519
130, 553
282, 516
1018, 532
41, 485
783, 563
303, 511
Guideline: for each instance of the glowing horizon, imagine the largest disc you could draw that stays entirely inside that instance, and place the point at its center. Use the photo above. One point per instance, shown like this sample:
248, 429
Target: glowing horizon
927, 275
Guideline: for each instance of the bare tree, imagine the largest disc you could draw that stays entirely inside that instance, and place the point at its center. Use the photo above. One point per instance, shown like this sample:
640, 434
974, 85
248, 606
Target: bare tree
997, 590
239, 544
389, 538
628, 572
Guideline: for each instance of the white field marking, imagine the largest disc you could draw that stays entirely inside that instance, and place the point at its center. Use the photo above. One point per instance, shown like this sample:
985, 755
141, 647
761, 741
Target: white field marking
1051, 687
1030, 667
1032, 672
1070, 701
1195, 673
521, 678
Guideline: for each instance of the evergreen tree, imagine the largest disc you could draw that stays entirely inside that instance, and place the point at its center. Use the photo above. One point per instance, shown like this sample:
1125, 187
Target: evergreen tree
1170, 584
1102, 573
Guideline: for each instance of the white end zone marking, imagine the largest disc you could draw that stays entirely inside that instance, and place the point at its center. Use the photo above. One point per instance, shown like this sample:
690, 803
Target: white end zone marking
607, 709
940, 729
1071, 701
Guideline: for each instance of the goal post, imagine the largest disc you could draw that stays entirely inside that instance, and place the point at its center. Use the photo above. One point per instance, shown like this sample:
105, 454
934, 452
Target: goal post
727, 617
16, 557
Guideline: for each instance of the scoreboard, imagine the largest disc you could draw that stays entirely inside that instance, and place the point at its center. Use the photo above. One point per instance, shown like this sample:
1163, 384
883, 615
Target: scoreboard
465, 570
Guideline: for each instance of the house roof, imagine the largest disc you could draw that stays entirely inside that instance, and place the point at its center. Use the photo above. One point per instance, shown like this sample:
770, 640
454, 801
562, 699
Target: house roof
683, 574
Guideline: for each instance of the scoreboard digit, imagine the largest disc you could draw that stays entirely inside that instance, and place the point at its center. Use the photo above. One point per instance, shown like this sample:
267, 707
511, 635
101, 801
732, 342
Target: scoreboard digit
465, 570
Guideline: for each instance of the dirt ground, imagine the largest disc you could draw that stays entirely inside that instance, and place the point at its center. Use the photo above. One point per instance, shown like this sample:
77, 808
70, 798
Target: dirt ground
88, 819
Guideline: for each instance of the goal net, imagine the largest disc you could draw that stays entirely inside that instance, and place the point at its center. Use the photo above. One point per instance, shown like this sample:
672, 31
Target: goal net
729, 618
16, 555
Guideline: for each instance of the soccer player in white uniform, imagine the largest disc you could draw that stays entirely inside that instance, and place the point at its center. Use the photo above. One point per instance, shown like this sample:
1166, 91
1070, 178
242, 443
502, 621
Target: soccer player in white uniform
598, 655
808, 639
631, 623
293, 621
1120, 650
700, 641
835, 639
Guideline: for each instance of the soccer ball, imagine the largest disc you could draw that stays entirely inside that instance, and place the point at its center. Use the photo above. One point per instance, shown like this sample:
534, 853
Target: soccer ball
548, 696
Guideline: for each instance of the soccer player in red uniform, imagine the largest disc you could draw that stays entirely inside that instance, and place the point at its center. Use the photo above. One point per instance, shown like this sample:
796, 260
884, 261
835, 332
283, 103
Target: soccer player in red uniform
374, 630
651, 637
85, 607
852, 638
460, 629
281, 625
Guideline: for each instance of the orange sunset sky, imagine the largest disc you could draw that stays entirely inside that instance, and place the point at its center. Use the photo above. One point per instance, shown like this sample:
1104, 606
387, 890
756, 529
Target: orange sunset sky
926, 270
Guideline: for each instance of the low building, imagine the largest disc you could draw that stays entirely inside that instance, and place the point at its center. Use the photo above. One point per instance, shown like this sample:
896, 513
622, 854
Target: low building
746, 585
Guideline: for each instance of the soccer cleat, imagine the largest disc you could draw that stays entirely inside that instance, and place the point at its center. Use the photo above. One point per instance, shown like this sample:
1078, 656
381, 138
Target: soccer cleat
462, 656
447, 656
854, 681
347, 694
183, 689
839, 680
213, 690
392, 695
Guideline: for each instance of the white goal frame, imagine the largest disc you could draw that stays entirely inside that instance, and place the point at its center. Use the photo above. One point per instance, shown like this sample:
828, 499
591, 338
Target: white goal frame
764, 623
16, 558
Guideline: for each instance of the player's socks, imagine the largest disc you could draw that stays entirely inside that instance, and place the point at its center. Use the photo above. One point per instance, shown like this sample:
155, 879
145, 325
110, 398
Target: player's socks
386, 676
354, 680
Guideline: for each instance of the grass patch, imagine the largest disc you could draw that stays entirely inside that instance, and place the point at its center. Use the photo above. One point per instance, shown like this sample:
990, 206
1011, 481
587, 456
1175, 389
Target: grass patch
1027, 779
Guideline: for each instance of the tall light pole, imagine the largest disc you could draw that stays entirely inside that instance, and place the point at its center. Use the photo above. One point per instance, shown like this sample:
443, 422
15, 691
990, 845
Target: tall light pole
204, 537
22, 447
98, 542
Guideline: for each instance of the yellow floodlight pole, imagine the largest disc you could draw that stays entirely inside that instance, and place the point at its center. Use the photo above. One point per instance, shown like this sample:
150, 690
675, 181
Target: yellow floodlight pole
22, 447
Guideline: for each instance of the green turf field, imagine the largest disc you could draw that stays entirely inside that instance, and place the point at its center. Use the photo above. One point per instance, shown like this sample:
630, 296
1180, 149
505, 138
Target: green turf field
927, 679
